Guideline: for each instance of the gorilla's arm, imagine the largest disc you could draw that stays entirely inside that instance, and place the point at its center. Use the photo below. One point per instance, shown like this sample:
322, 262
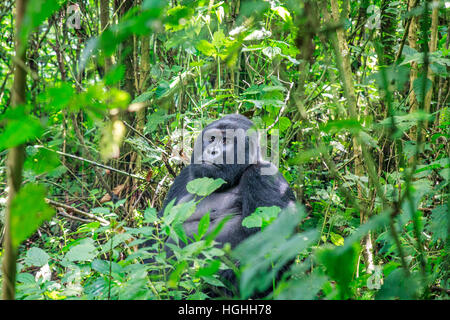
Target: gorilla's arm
264, 191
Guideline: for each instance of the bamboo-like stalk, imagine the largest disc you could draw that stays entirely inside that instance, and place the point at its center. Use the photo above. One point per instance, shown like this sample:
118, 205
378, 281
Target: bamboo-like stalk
412, 42
433, 47
16, 157
342, 55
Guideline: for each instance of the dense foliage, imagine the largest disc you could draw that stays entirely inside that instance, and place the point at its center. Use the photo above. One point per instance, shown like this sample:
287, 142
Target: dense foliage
114, 91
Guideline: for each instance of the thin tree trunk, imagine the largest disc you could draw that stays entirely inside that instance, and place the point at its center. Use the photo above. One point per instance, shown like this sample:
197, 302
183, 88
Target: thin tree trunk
342, 54
412, 42
433, 47
16, 157
104, 22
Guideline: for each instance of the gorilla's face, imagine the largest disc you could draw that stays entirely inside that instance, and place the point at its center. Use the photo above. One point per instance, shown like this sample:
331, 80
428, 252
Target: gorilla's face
225, 149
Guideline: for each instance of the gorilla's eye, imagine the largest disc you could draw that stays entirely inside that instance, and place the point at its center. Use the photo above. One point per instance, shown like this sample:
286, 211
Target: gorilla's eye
212, 139
224, 140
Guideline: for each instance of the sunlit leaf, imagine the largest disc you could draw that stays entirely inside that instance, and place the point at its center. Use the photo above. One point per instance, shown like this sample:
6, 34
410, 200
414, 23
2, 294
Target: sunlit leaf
28, 211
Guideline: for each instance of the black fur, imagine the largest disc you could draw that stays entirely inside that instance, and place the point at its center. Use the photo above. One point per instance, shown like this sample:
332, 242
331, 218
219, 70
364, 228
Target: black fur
246, 188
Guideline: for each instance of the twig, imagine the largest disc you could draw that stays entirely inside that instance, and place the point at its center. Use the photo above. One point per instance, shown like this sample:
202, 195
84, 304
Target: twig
65, 214
75, 210
93, 162
282, 108
166, 163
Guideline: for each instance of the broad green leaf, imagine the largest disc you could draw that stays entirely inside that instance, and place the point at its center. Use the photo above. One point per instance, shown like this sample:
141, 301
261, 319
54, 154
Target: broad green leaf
206, 48
421, 86
340, 264
271, 52
305, 288
175, 276
439, 222
85, 251
209, 270
179, 230
352, 125
218, 39
41, 161
284, 124
115, 75
213, 281
36, 257
204, 186
262, 217
58, 97
336, 239
150, 215
398, 286
20, 131
265, 253
28, 211
180, 212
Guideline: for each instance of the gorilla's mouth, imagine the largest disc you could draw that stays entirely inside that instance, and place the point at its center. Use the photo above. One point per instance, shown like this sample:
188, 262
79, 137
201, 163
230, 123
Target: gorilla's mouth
209, 163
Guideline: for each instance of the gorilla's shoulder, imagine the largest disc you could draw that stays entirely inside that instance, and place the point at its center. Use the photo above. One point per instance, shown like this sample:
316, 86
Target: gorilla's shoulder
263, 185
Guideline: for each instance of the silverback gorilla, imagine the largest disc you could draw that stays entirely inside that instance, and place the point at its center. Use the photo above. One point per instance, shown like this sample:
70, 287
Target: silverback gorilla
227, 149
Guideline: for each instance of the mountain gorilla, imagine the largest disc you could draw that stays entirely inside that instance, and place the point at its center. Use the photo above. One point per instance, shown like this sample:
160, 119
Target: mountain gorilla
227, 149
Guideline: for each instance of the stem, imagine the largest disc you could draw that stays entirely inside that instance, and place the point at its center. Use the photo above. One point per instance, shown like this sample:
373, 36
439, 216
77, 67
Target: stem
16, 156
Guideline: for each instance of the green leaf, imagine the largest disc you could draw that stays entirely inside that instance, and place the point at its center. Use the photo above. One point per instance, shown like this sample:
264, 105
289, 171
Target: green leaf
265, 253
175, 276
179, 230
58, 97
340, 264
209, 270
37, 11
213, 281
218, 39
203, 226
178, 17
285, 123
36, 257
28, 211
439, 222
20, 131
421, 86
150, 215
353, 125
100, 266
85, 251
399, 286
213, 234
304, 288
204, 186
262, 217
42, 161
336, 239
180, 212
115, 75
206, 48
